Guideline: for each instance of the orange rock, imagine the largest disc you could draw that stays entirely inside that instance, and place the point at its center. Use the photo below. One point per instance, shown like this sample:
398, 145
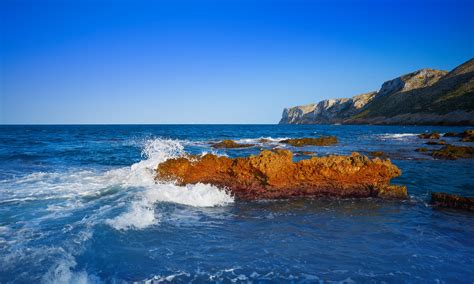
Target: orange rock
273, 175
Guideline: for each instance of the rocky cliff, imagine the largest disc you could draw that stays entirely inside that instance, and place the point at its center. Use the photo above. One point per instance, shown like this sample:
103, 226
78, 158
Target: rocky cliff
426, 96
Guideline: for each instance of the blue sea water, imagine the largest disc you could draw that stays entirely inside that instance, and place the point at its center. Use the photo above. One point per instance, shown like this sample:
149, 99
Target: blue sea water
78, 204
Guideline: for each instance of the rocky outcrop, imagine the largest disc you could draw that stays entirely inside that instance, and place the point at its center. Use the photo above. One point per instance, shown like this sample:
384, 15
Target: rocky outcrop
320, 141
441, 199
466, 135
433, 135
451, 152
426, 96
274, 175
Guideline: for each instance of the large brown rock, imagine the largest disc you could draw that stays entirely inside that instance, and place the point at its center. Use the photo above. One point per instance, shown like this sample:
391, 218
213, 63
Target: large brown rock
273, 175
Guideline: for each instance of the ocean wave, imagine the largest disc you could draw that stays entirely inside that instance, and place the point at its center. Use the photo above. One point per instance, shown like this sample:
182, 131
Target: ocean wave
261, 140
397, 136
78, 186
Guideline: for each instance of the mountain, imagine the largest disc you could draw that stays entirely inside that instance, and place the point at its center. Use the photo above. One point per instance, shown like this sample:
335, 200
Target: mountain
426, 96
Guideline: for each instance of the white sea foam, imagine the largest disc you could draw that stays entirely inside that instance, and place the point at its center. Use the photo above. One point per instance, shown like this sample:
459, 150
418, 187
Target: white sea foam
268, 140
76, 189
141, 212
140, 176
397, 136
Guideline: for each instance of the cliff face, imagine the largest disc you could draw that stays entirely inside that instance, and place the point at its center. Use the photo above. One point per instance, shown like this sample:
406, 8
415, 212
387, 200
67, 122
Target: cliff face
426, 96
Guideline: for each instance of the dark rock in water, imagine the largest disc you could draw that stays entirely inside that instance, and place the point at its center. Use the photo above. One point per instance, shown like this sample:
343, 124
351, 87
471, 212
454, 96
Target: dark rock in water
441, 199
422, 149
304, 153
378, 154
320, 141
264, 140
451, 152
274, 175
467, 136
440, 142
230, 144
450, 134
434, 135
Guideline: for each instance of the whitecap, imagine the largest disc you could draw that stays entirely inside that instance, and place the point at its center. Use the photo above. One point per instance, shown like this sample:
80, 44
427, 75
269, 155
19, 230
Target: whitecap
397, 136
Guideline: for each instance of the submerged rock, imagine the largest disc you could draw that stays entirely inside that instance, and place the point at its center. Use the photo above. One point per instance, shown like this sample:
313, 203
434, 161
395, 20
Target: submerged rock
433, 135
452, 201
451, 152
440, 142
304, 153
274, 175
378, 154
466, 135
422, 149
320, 141
450, 134
229, 144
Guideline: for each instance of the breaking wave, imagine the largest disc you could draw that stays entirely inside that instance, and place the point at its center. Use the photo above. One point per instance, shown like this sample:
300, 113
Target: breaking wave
73, 185
397, 136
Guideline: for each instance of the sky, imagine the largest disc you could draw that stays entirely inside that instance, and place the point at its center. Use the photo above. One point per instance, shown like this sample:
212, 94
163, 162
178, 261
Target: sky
166, 62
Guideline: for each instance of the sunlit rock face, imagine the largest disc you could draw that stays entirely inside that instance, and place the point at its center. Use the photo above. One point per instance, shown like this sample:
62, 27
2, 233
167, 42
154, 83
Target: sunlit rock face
426, 96
274, 175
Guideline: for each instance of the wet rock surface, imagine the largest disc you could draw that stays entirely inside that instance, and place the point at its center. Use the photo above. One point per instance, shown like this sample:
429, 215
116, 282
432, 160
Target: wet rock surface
466, 135
446, 200
440, 142
433, 135
320, 141
229, 144
451, 152
274, 175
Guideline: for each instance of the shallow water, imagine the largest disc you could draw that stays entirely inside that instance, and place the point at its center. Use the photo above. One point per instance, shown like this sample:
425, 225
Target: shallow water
79, 204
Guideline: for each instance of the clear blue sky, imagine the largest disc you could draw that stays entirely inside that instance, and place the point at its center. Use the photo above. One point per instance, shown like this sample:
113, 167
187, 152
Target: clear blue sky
215, 61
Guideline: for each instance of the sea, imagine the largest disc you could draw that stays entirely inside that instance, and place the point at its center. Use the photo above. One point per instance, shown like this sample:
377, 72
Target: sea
79, 204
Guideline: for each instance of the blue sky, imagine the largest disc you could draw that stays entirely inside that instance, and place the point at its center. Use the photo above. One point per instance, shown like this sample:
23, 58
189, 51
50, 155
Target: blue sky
212, 61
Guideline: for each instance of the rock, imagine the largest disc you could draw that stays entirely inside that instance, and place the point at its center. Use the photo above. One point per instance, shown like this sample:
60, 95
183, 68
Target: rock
467, 136
378, 154
229, 144
423, 97
304, 153
451, 152
274, 175
450, 134
433, 135
264, 140
441, 199
440, 142
422, 149
320, 141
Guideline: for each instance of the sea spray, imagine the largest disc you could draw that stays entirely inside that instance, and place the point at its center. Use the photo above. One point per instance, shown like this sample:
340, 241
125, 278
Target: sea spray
140, 213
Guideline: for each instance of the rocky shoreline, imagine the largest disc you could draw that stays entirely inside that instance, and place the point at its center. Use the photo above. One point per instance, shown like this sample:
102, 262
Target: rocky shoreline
272, 174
